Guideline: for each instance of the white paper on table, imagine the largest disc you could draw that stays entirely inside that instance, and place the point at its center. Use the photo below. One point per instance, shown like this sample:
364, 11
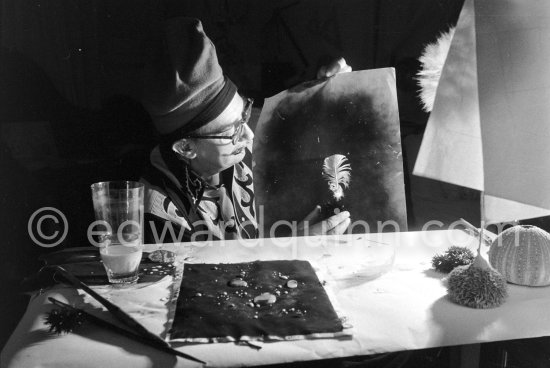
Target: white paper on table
405, 309
490, 126
151, 304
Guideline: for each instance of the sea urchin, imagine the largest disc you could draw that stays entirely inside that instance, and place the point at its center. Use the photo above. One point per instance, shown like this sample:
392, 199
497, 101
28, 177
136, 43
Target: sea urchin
477, 285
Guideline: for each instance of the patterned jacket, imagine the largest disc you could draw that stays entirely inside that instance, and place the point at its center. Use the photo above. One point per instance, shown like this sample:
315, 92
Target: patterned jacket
180, 206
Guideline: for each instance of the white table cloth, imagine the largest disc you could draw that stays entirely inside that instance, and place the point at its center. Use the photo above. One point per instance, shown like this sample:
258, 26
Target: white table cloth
404, 309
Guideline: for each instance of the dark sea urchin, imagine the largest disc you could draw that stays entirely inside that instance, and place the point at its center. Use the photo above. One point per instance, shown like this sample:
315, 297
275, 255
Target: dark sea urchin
477, 285
453, 257
64, 320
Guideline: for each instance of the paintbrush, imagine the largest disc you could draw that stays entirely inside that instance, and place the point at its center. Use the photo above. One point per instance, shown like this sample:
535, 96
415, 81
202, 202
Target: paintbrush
118, 313
83, 315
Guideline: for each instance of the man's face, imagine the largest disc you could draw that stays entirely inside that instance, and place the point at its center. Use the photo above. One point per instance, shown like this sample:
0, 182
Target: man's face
215, 155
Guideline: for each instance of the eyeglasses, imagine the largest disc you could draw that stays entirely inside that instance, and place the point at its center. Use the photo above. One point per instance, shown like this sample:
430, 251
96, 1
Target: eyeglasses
239, 127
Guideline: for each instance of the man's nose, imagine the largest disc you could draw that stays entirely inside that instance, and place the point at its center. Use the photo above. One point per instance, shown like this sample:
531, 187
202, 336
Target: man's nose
247, 135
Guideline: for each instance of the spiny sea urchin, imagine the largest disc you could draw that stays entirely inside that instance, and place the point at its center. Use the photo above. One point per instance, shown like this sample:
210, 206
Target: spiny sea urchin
453, 257
477, 285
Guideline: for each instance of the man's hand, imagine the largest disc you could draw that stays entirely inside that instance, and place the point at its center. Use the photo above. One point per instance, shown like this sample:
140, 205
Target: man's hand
334, 225
337, 66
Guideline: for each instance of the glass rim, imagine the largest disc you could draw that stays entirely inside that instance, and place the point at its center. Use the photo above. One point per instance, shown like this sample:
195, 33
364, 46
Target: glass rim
118, 185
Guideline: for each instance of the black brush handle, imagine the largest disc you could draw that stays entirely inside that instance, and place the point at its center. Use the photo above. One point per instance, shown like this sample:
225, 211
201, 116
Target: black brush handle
122, 331
118, 313
71, 255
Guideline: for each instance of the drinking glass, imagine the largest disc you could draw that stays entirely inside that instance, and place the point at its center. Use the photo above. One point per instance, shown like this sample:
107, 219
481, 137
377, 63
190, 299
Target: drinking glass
118, 207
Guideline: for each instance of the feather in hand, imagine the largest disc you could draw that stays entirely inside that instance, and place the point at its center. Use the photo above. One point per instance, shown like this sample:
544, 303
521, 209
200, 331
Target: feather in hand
337, 172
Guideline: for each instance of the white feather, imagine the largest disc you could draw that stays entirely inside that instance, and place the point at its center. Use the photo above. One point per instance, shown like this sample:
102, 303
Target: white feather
432, 60
337, 172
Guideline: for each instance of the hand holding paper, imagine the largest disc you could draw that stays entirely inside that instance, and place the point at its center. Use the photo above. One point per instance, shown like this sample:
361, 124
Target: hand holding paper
335, 67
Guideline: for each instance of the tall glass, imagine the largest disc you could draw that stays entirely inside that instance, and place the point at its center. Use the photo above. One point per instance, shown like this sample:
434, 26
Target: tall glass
118, 207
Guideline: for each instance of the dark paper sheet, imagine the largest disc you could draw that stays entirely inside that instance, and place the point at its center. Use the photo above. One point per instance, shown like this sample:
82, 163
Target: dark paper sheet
351, 114
210, 310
